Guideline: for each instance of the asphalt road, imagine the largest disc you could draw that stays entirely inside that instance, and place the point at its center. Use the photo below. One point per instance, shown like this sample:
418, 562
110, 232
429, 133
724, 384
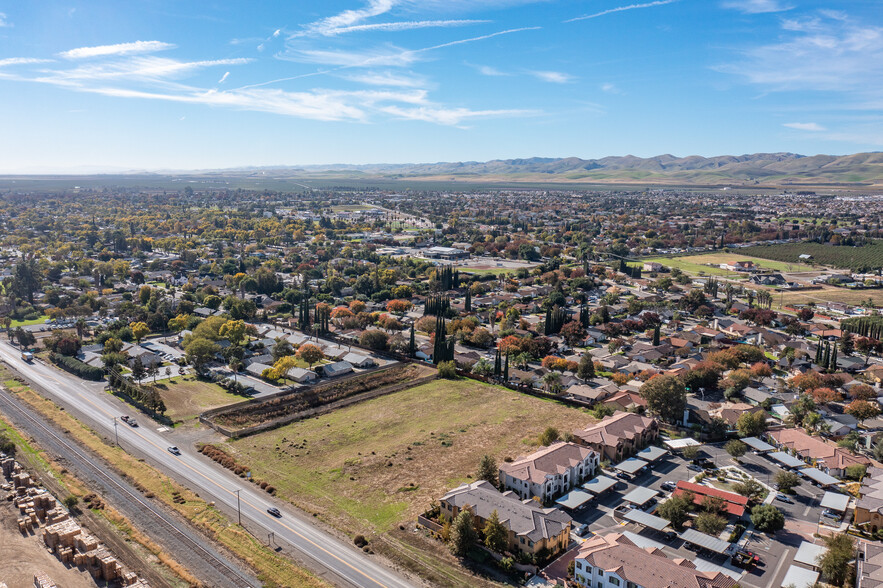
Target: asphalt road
335, 561
165, 528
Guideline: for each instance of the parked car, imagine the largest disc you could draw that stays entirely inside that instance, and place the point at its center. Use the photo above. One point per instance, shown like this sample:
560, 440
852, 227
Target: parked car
693, 467
582, 530
275, 512
784, 498
623, 476
669, 485
670, 536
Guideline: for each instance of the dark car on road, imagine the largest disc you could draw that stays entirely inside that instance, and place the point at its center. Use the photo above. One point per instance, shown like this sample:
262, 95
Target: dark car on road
275, 512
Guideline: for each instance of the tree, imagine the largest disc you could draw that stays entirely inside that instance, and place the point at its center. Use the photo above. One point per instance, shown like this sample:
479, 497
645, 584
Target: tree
374, 339
399, 306
572, 332
835, 562
447, 370
751, 424
139, 331
483, 367
710, 523
549, 436
787, 481
586, 368
199, 351
233, 331
281, 348
676, 509
496, 536
665, 396
862, 392
750, 489
766, 518
736, 448
310, 354
463, 534
847, 343
856, 472
862, 409
878, 450
178, 323
690, 452
138, 369
487, 470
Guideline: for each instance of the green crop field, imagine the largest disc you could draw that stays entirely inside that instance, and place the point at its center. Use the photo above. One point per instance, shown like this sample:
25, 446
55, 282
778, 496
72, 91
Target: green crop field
859, 259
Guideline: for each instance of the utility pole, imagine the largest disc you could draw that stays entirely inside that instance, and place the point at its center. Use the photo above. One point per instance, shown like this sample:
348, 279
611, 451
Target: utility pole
238, 506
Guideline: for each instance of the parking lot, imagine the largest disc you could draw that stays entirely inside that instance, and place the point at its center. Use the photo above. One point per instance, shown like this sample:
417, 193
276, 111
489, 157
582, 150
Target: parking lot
776, 553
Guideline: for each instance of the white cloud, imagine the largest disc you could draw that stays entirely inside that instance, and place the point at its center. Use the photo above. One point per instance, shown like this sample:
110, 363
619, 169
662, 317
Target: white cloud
139, 68
277, 32
487, 70
814, 127
621, 9
22, 61
401, 26
118, 49
387, 78
555, 77
449, 116
4, 21
389, 56
610, 88
819, 53
347, 18
224, 77
757, 6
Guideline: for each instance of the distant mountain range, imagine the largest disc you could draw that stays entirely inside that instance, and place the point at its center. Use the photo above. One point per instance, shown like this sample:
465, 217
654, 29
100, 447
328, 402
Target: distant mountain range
767, 169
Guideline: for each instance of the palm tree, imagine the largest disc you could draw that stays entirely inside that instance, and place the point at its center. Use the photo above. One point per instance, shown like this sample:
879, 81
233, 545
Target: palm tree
552, 382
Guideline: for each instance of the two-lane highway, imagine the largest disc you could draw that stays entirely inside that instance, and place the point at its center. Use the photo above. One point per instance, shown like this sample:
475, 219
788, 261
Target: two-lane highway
334, 560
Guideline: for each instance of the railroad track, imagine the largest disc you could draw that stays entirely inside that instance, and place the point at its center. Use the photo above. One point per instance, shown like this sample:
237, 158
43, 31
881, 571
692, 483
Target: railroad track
225, 569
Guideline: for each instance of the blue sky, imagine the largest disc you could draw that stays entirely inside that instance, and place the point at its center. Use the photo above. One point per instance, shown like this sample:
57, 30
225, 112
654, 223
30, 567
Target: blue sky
153, 84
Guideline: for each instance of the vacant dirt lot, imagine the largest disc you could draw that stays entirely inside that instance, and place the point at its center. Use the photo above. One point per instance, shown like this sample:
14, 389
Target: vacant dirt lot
368, 467
24, 555
186, 397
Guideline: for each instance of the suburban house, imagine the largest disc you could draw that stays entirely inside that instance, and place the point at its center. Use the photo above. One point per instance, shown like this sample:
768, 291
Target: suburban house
869, 565
869, 507
531, 527
825, 456
619, 436
613, 560
739, 266
301, 376
549, 472
338, 368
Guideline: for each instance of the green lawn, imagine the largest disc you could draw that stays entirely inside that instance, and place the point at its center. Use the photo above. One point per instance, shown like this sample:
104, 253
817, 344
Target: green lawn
37, 321
368, 467
692, 268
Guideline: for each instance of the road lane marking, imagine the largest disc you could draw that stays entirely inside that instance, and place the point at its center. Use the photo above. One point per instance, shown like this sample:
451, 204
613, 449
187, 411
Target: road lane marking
81, 395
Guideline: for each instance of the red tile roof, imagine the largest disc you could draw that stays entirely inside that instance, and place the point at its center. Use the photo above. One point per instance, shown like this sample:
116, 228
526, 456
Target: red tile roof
734, 503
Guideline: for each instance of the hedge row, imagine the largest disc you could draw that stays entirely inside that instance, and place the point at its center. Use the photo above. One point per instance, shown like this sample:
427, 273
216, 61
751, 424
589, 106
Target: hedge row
77, 367
228, 461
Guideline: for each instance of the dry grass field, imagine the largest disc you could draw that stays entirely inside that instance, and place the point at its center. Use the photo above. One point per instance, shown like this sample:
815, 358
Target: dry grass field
186, 397
374, 465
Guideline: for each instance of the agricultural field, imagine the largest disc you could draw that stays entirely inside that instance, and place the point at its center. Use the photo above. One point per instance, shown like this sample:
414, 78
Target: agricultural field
186, 397
696, 264
369, 467
828, 294
858, 259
